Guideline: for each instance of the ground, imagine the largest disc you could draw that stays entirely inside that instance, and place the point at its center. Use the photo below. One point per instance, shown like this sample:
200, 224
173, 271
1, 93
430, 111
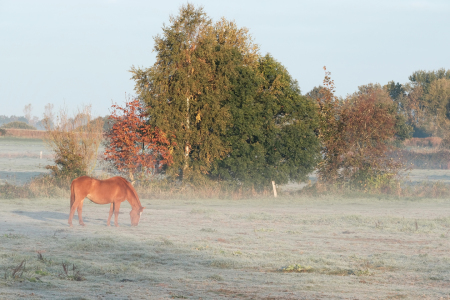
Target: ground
218, 249
291, 247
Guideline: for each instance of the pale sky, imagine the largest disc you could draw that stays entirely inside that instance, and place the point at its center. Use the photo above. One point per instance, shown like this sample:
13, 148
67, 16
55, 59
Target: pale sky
80, 52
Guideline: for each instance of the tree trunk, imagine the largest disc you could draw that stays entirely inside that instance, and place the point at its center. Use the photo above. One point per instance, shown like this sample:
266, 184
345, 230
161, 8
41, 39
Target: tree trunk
131, 178
186, 147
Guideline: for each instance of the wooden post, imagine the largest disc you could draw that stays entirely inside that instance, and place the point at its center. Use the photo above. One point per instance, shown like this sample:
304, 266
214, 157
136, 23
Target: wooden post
274, 189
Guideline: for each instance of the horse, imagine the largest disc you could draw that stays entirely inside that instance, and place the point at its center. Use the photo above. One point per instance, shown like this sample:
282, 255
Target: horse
114, 190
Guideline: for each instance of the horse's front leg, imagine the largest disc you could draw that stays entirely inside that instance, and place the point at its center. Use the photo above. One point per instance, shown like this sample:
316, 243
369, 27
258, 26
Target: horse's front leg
116, 213
80, 209
111, 210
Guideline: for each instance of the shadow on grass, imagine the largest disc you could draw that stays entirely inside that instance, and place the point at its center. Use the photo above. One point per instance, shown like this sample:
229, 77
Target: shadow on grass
43, 215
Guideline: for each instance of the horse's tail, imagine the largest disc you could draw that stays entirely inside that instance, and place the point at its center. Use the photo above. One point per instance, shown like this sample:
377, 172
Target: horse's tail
72, 194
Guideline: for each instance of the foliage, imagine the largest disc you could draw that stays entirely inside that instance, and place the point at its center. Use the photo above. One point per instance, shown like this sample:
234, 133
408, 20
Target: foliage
5, 119
18, 125
133, 145
437, 105
355, 135
272, 135
186, 88
424, 79
233, 116
425, 101
74, 142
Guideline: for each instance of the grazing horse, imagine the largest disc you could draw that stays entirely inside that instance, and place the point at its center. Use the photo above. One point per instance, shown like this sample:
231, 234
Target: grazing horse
113, 190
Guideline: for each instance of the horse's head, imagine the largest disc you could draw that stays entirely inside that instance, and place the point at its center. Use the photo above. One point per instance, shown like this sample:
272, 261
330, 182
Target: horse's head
135, 215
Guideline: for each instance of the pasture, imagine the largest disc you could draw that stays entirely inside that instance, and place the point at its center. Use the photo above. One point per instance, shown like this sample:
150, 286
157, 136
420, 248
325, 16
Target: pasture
292, 247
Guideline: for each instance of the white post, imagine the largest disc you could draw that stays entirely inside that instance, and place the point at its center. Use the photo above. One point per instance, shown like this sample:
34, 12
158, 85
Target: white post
40, 155
274, 189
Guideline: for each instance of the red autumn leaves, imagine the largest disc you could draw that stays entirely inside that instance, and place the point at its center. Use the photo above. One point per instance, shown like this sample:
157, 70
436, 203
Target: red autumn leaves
133, 145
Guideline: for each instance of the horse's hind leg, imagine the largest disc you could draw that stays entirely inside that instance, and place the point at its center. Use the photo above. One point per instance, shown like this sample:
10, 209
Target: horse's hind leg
80, 209
111, 210
72, 212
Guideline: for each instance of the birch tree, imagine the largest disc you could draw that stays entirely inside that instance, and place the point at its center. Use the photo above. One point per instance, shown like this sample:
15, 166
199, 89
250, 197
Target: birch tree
186, 89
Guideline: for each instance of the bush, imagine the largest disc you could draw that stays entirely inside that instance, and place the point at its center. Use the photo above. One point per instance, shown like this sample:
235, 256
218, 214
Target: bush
44, 186
432, 160
10, 191
18, 125
75, 142
432, 142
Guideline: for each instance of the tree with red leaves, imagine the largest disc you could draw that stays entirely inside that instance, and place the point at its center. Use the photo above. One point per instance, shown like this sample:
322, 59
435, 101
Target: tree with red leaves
132, 144
355, 133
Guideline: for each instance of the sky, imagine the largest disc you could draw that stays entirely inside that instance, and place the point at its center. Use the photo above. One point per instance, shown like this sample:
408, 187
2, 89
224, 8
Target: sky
73, 53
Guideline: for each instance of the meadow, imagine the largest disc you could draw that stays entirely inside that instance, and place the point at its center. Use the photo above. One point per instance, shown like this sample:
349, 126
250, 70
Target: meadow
291, 247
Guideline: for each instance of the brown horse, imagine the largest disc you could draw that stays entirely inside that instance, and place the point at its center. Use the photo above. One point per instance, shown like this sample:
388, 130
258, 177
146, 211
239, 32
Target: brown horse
113, 190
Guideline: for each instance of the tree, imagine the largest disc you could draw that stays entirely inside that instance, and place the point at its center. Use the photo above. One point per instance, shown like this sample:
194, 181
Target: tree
186, 88
424, 79
383, 97
27, 112
437, 104
426, 102
355, 135
74, 142
132, 144
272, 133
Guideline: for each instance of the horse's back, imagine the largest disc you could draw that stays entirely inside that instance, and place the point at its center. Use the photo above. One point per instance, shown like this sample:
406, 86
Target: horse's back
102, 191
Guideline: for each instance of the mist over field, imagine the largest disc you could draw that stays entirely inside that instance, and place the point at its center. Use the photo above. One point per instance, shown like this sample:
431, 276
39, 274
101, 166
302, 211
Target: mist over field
290, 247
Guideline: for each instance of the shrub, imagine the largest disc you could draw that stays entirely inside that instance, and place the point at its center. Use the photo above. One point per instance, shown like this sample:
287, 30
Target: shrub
432, 160
18, 125
75, 142
432, 142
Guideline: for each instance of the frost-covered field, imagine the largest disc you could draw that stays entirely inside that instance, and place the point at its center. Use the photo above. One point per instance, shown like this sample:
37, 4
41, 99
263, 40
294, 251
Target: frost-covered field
219, 249
284, 248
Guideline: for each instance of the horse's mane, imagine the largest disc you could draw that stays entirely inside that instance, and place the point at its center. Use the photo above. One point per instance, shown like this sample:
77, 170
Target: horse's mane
131, 187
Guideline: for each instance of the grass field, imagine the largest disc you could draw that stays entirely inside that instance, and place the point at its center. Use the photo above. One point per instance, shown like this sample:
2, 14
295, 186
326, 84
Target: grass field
218, 249
262, 248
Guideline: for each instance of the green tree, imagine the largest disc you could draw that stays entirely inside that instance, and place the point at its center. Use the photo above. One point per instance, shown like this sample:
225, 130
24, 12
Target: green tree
424, 78
186, 89
272, 135
428, 100
437, 105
